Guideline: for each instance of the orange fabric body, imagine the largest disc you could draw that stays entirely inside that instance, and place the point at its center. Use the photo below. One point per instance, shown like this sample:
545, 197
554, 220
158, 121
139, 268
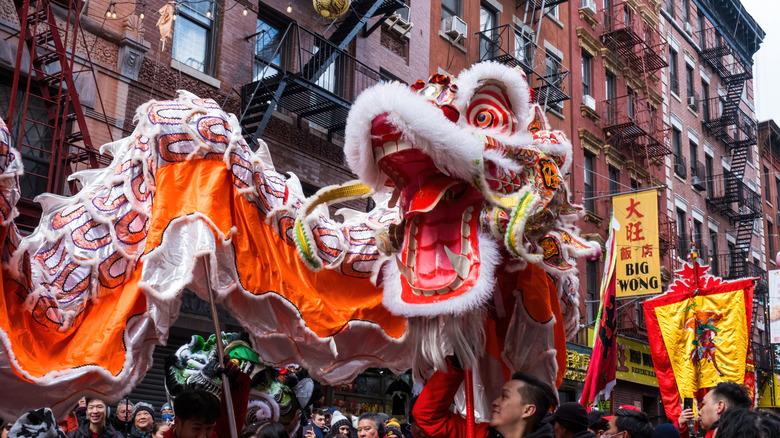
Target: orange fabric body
327, 300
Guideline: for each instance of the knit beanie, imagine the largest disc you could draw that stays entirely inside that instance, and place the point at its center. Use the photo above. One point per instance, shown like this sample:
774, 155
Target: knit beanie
337, 420
143, 406
393, 429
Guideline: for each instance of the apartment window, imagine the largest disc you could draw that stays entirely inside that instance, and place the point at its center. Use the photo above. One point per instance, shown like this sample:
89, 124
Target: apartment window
686, 11
587, 64
610, 90
714, 252
670, 8
674, 81
679, 160
192, 37
590, 203
451, 8
766, 184
701, 31
698, 236
631, 101
770, 237
733, 256
552, 11
614, 180
552, 74
635, 184
523, 47
488, 22
267, 56
592, 278
608, 14
689, 80
708, 169
693, 150
777, 191
682, 236
705, 99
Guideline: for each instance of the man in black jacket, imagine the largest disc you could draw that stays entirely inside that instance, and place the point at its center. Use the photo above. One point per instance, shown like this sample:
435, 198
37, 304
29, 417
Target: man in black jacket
96, 425
570, 421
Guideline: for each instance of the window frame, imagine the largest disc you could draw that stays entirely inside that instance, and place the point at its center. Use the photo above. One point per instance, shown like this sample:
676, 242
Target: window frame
589, 182
587, 73
674, 79
208, 24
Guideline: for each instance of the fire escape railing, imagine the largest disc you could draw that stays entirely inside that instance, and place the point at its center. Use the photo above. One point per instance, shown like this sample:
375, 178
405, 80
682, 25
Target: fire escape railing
629, 121
636, 42
313, 79
546, 75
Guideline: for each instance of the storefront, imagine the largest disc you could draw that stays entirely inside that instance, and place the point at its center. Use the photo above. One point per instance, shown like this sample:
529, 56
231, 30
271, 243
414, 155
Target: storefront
636, 381
577, 360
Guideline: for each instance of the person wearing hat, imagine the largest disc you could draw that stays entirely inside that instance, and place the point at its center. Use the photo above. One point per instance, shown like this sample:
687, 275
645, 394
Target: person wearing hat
166, 413
393, 428
143, 420
666, 430
341, 427
628, 422
570, 420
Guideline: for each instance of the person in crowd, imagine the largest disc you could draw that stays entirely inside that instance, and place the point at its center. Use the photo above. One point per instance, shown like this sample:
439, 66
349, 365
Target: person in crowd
629, 422
123, 421
328, 416
199, 413
96, 425
318, 424
570, 420
724, 396
159, 428
740, 423
264, 429
517, 412
393, 428
414, 428
143, 420
341, 427
4, 428
596, 422
666, 430
166, 413
371, 425
75, 417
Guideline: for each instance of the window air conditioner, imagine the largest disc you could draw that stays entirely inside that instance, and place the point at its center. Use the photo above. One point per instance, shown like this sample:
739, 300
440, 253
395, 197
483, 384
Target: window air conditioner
455, 28
589, 5
589, 102
692, 102
689, 28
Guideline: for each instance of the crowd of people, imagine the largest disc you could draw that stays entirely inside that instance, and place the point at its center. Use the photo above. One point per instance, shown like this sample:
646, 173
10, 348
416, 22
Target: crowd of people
526, 408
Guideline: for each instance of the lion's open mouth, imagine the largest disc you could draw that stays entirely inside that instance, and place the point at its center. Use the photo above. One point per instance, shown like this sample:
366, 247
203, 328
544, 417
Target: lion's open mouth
440, 254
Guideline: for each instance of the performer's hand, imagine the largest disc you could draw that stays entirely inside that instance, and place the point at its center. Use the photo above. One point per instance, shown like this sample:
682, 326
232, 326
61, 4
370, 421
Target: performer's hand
231, 370
685, 417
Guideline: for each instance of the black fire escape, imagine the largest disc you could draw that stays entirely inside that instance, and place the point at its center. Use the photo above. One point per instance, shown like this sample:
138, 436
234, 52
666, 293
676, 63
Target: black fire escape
518, 47
311, 76
631, 121
727, 122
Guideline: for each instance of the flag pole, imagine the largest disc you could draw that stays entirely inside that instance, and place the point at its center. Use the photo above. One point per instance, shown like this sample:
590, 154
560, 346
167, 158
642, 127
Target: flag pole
226, 395
469, 390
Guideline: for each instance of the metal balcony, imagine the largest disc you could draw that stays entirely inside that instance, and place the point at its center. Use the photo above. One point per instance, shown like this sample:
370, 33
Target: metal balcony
630, 122
308, 76
733, 198
640, 45
737, 265
546, 75
667, 233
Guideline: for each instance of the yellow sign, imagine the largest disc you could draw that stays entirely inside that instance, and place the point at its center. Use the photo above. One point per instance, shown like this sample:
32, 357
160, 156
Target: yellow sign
638, 268
576, 365
771, 388
711, 328
634, 362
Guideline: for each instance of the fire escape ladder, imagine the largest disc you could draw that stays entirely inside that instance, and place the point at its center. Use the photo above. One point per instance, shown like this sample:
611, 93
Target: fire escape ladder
52, 47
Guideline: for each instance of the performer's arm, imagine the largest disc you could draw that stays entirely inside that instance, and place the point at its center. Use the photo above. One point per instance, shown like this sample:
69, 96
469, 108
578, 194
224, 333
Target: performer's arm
432, 409
239, 391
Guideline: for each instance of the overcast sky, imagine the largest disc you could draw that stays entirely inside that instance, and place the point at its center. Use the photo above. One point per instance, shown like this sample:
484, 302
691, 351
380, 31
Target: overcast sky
766, 68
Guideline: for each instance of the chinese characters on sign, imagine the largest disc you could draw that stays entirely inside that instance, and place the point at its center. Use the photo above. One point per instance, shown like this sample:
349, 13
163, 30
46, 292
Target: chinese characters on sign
638, 264
576, 365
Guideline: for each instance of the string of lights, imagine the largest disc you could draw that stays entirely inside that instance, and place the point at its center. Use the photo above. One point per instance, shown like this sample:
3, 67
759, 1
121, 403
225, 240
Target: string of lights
111, 12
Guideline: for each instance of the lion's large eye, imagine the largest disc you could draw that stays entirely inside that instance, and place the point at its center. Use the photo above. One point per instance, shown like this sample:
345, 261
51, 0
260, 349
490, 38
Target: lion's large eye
490, 109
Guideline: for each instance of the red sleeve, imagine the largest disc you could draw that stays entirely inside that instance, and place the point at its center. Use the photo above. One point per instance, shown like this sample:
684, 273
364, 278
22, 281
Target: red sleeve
684, 433
432, 409
239, 392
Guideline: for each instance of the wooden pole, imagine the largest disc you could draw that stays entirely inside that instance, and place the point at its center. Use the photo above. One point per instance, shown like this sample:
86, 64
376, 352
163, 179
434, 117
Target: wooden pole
226, 395
469, 388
